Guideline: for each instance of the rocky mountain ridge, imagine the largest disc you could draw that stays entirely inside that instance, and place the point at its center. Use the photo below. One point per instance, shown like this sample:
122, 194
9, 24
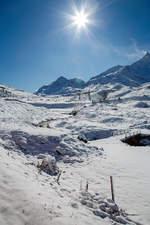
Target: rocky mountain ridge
131, 75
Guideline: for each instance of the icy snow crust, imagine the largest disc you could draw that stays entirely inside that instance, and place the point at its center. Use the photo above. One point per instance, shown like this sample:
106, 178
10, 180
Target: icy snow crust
34, 128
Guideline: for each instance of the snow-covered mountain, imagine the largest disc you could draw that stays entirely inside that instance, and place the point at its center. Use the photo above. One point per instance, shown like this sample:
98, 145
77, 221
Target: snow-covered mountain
131, 76
62, 86
97, 79
142, 68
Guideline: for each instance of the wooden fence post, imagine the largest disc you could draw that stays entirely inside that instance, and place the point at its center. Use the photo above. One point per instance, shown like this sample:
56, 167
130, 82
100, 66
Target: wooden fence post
112, 188
87, 186
59, 174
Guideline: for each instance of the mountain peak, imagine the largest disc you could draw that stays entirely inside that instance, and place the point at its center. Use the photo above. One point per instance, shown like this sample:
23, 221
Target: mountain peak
146, 56
62, 78
147, 53
144, 60
62, 86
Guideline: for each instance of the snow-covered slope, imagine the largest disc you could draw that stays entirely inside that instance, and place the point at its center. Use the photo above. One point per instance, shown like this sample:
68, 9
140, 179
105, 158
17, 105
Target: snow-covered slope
97, 79
132, 76
62, 86
142, 68
35, 128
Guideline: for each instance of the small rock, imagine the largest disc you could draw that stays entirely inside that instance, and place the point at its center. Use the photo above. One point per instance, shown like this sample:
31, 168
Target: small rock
114, 208
108, 210
120, 220
99, 213
89, 204
83, 202
110, 201
96, 198
84, 193
103, 207
74, 205
101, 202
81, 138
96, 193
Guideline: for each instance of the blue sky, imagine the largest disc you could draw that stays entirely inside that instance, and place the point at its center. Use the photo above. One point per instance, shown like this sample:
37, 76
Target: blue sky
37, 46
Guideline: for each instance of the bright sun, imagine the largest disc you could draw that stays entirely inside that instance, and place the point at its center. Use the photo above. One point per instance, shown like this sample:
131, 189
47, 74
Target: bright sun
80, 19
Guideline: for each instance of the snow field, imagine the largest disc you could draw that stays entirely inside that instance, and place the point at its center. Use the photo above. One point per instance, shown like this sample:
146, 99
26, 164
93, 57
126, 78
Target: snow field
30, 196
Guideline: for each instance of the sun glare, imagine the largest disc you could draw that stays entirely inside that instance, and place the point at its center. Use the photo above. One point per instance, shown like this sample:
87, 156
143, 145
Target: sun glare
80, 19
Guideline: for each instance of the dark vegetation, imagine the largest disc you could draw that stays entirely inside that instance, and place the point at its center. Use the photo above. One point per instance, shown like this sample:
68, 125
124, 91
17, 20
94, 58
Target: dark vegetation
137, 140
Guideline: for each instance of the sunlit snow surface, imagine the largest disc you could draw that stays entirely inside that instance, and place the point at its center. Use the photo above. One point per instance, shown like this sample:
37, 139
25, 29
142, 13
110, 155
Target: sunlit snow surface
28, 196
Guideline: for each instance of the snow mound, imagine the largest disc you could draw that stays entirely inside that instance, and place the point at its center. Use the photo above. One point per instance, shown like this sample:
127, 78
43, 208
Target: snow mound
60, 147
141, 105
96, 134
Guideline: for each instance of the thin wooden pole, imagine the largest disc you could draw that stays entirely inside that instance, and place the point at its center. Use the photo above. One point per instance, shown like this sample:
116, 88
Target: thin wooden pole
59, 174
87, 186
112, 188
81, 185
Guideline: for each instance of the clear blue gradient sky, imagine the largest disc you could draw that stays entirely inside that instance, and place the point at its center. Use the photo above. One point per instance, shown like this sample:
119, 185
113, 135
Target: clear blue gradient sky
36, 48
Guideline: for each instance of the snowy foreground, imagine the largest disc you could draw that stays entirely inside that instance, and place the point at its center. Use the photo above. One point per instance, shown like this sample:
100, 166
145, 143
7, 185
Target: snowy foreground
33, 129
